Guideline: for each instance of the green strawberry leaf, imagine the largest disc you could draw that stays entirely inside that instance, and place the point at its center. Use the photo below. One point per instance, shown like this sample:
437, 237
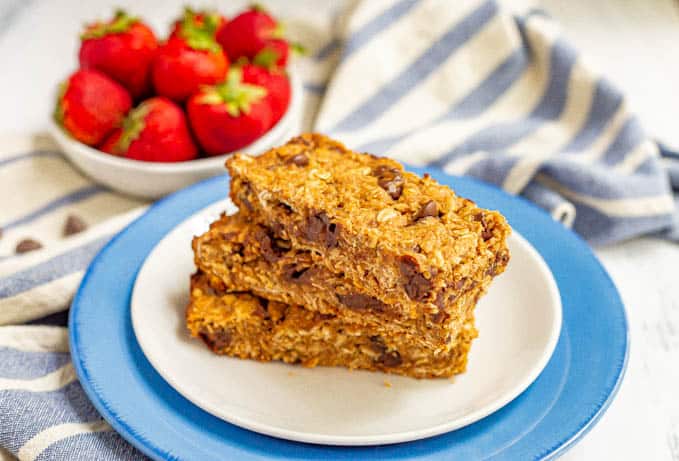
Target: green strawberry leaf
267, 58
278, 31
120, 24
59, 112
132, 127
298, 48
236, 96
200, 36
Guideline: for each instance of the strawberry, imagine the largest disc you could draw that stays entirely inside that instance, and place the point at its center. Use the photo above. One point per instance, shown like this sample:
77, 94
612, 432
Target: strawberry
230, 115
90, 105
274, 53
185, 63
122, 48
276, 83
208, 22
154, 131
248, 33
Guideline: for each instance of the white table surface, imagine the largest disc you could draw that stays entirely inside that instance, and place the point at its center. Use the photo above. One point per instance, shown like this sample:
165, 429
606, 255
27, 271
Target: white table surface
634, 42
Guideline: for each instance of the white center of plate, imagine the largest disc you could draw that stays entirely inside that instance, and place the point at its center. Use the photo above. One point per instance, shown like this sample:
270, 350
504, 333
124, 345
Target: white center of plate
519, 321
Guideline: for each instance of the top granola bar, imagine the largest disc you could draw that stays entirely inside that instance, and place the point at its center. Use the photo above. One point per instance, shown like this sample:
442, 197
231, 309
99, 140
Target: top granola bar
363, 216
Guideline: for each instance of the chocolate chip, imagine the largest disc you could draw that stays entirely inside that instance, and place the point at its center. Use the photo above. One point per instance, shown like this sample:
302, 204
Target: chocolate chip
486, 233
500, 262
428, 209
74, 225
361, 302
261, 309
246, 192
285, 208
301, 275
271, 250
27, 245
318, 316
301, 139
216, 340
377, 344
440, 317
415, 284
319, 229
246, 202
390, 359
299, 160
460, 283
390, 179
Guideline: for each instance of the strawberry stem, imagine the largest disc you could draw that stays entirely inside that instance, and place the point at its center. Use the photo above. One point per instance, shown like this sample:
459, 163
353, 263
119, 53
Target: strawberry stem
132, 127
266, 58
236, 96
120, 24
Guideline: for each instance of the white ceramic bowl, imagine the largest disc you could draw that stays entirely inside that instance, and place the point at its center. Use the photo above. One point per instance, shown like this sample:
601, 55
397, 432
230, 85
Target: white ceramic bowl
152, 179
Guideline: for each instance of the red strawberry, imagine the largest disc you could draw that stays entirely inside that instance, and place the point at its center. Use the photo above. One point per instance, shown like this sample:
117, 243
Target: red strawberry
154, 131
122, 48
91, 105
230, 115
208, 22
277, 86
248, 33
182, 65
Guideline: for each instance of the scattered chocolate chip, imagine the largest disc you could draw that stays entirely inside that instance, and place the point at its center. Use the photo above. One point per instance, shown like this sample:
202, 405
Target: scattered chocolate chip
246, 202
361, 302
486, 233
417, 248
304, 140
440, 300
74, 225
318, 316
390, 179
27, 245
216, 340
500, 262
246, 192
301, 275
261, 310
440, 317
460, 283
390, 359
285, 208
270, 248
415, 284
377, 344
427, 176
428, 209
299, 160
319, 229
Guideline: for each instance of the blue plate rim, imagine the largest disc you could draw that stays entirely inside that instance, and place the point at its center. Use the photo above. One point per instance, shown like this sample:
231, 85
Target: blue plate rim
150, 449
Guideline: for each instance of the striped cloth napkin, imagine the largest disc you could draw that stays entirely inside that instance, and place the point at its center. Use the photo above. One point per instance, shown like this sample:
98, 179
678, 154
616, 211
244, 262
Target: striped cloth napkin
467, 88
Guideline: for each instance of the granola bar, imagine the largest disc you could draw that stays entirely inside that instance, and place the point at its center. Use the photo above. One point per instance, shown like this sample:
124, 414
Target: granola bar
247, 258
406, 241
246, 326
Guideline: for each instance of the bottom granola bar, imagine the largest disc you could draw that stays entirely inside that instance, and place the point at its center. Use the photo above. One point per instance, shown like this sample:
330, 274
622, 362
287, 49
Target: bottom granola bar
245, 326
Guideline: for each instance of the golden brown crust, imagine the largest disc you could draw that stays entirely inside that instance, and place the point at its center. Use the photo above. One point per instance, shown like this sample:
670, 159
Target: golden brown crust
401, 237
248, 327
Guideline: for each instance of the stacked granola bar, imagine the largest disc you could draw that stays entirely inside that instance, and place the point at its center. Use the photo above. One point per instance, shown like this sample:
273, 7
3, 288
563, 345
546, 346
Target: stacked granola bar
343, 259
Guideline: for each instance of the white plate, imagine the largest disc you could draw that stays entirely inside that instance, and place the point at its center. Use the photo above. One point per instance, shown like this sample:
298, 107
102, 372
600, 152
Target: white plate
519, 321
155, 179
